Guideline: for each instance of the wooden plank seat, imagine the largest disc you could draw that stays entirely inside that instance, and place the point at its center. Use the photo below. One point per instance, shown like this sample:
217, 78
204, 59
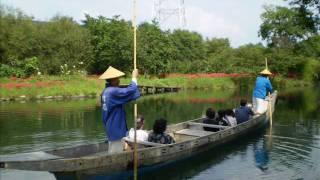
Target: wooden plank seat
143, 143
208, 125
193, 132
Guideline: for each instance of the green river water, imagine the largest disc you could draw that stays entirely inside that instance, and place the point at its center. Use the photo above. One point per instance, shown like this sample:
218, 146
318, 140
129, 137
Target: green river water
292, 152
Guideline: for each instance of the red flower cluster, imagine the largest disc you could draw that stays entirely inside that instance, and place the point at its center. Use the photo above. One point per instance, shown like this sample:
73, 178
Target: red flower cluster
19, 85
206, 75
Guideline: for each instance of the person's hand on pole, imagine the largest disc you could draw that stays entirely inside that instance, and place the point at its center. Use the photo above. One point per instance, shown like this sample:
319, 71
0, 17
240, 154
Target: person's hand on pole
135, 74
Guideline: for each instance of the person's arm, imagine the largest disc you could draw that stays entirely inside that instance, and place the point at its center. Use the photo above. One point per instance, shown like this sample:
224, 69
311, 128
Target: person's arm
124, 95
269, 86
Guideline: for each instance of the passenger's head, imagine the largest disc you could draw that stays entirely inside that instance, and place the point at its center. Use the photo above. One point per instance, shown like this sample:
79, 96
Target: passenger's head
140, 122
221, 113
160, 126
229, 112
210, 113
243, 102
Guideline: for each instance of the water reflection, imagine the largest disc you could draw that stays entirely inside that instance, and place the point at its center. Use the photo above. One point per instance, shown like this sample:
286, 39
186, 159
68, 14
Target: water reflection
289, 150
261, 156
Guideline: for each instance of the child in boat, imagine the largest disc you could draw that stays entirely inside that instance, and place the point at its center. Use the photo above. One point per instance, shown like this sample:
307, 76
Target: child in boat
158, 135
244, 112
210, 119
142, 135
230, 117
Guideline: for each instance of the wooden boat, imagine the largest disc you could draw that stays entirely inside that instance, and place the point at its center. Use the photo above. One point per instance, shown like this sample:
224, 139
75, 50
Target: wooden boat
94, 158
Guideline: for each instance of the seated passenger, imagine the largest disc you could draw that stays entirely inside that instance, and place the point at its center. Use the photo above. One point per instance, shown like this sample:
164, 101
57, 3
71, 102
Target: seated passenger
243, 112
221, 118
230, 117
158, 135
210, 119
142, 135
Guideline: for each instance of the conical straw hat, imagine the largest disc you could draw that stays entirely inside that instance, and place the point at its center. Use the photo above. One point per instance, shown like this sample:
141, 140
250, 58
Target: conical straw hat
111, 73
266, 72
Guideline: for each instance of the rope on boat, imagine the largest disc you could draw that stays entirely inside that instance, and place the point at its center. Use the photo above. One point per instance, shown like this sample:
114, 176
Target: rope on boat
135, 153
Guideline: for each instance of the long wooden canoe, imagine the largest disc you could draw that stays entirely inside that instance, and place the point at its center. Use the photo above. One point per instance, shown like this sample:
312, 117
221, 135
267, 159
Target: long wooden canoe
94, 158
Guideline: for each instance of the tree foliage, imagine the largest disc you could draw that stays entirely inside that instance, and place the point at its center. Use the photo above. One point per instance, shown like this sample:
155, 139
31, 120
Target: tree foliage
62, 46
52, 43
156, 51
284, 27
112, 42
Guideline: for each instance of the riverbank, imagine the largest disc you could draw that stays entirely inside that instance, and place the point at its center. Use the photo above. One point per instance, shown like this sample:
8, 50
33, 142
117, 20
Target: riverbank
59, 87
62, 87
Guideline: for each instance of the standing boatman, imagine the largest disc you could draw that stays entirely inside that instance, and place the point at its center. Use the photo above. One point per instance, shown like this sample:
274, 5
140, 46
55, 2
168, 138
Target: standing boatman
262, 87
113, 99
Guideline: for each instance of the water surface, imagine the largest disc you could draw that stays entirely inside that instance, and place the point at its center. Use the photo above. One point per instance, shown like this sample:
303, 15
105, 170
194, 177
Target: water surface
288, 150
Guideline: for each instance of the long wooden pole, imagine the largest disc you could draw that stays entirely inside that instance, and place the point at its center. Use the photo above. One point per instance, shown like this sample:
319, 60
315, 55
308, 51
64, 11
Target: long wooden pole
135, 153
270, 110
266, 59
269, 104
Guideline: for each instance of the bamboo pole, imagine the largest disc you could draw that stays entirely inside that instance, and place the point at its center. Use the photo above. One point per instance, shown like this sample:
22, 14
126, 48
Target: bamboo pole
269, 104
135, 153
266, 59
270, 110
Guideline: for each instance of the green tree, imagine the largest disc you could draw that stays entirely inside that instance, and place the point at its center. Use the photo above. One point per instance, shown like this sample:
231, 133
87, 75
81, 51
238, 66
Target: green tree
217, 45
250, 58
190, 45
284, 27
156, 51
219, 55
62, 41
309, 47
25, 43
112, 42
310, 10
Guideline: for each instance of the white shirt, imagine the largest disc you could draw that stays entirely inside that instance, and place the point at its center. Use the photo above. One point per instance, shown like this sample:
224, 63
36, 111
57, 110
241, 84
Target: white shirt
231, 120
142, 135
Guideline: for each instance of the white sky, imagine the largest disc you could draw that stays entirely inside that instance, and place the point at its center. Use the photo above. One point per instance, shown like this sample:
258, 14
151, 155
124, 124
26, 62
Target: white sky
238, 20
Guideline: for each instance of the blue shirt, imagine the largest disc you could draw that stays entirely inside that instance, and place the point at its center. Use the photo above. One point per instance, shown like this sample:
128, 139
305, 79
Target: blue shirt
263, 86
113, 113
242, 114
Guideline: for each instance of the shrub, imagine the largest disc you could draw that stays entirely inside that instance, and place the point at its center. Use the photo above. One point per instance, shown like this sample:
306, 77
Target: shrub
311, 71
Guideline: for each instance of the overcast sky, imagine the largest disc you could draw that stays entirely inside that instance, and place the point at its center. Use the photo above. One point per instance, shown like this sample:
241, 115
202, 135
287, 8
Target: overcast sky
238, 20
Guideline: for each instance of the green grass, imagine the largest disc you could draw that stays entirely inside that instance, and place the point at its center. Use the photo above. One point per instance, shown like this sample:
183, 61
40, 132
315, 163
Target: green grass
205, 83
77, 85
63, 87
288, 83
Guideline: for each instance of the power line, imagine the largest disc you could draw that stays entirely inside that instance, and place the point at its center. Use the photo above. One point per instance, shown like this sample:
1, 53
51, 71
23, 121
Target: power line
163, 10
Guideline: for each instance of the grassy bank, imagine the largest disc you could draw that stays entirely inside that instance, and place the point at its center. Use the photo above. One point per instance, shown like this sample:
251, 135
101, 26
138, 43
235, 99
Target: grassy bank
286, 83
77, 86
59, 87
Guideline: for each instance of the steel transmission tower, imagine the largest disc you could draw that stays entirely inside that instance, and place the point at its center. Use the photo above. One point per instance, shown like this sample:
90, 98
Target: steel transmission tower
163, 10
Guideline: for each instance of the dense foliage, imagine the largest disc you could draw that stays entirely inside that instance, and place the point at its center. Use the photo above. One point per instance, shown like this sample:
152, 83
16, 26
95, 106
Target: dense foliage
62, 46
